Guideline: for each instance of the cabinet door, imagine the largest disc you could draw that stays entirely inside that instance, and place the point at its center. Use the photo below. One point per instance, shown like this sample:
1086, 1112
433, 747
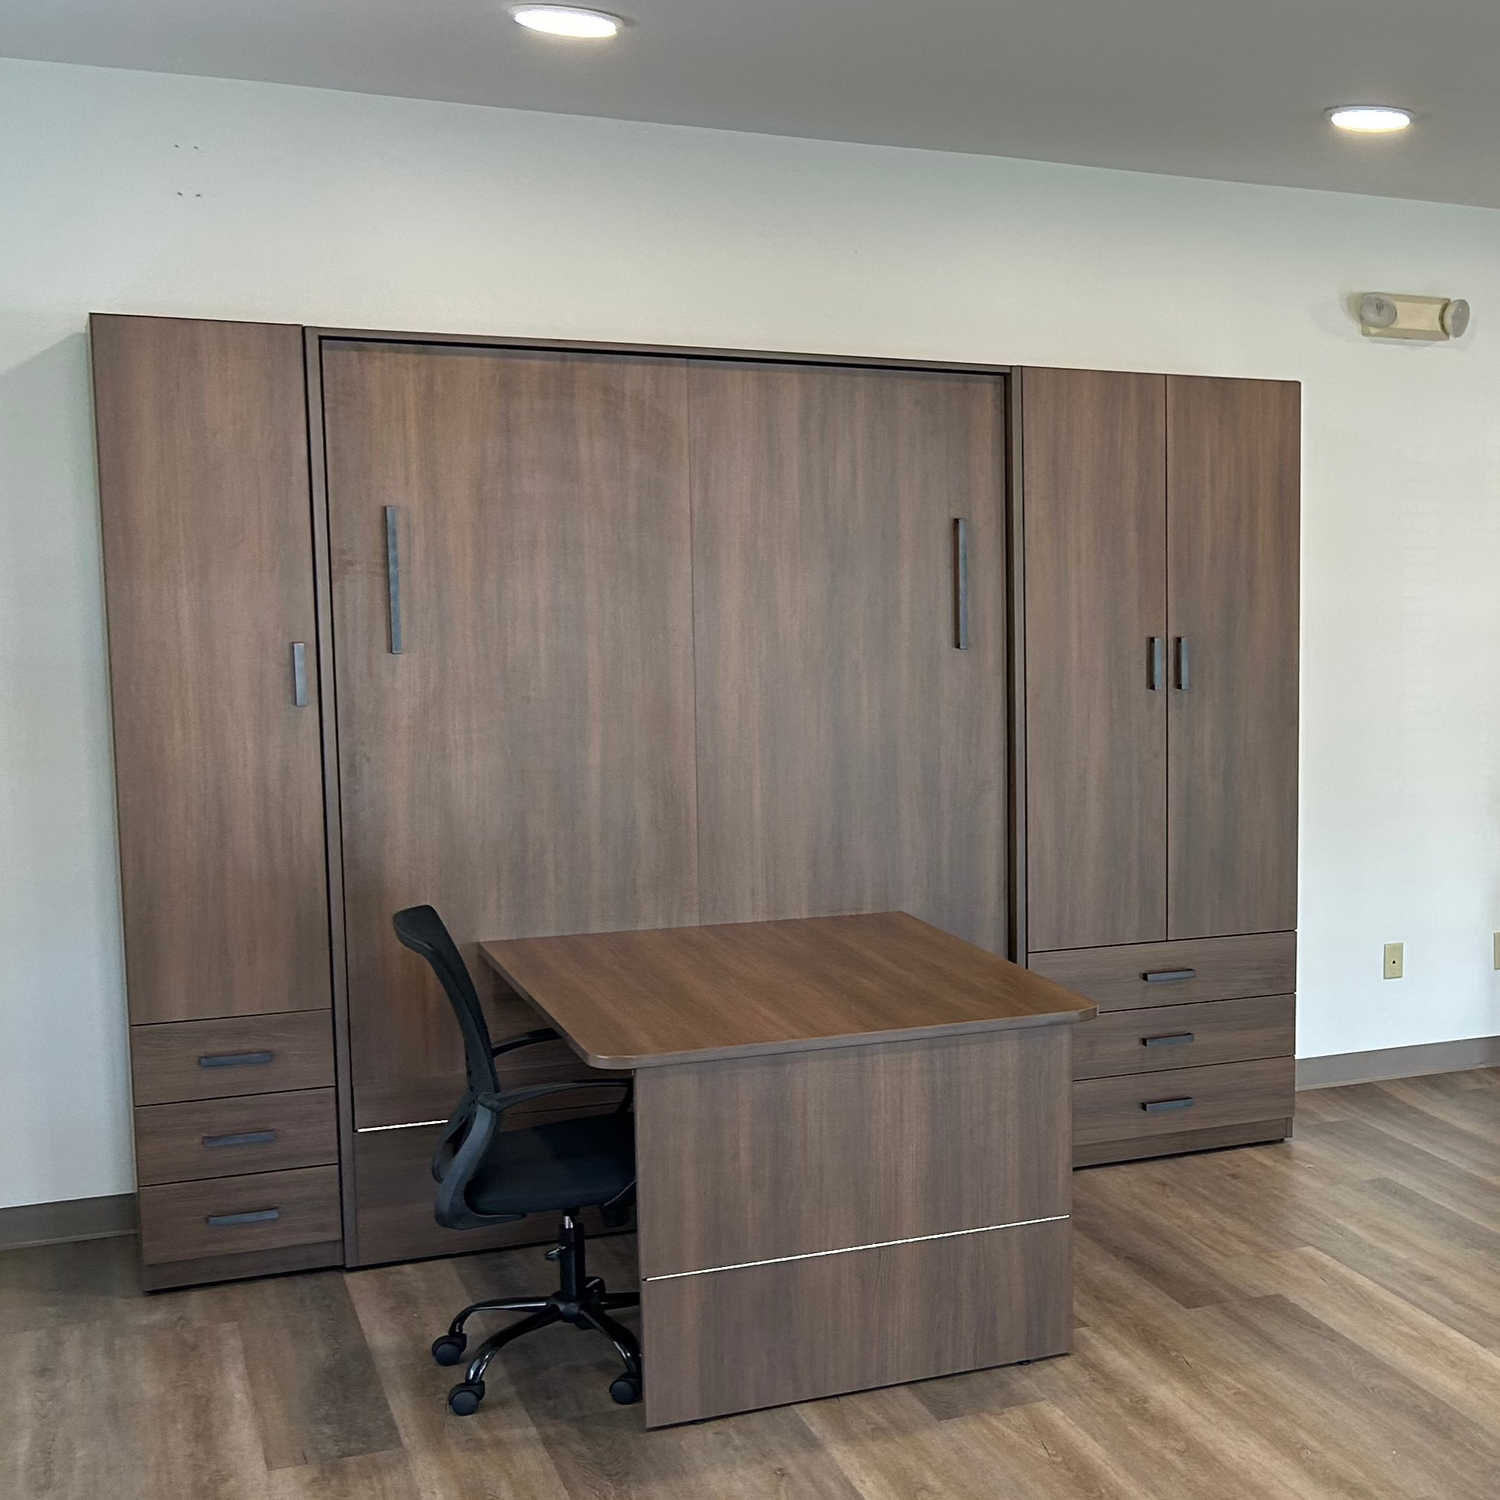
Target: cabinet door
1233, 537
207, 525
525, 762
850, 756
1096, 725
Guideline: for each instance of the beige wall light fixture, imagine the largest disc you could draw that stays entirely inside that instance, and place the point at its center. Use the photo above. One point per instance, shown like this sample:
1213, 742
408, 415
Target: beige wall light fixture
1393, 315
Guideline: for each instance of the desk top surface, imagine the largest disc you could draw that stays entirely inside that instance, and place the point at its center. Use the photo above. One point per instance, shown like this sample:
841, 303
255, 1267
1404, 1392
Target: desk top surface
679, 994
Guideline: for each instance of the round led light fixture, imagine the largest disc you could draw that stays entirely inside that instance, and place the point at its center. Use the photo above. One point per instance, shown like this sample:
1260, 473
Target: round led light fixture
566, 20
1370, 119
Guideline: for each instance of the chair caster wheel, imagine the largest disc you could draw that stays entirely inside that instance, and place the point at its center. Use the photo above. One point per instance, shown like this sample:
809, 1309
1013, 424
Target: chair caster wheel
464, 1398
626, 1389
449, 1349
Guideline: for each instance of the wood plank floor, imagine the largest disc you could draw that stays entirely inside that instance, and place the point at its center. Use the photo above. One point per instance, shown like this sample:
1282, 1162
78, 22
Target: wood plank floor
1316, 1319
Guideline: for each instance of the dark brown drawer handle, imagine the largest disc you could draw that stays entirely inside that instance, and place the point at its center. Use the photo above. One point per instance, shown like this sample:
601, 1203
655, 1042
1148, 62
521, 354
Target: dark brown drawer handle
1176, 1039
256, 1216
1161, 1106
247, 1138
236, 1059
1168, 976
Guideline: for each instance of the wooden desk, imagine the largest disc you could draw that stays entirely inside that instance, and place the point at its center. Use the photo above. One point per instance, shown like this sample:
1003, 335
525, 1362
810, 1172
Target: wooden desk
853, 1139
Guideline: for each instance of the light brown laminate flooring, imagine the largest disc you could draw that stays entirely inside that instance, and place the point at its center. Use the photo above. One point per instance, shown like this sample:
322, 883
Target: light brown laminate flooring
1314, 1319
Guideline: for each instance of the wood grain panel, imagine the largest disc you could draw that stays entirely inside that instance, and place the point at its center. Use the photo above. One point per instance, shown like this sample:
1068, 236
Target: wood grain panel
1177, 1143
1096, 766
1114, 1109
1160, 1037
203, 482
753, 1158
794, 1330
174, 1217
178, 1142
644, 999
526, 764
1233, 472
167, 1067
850, 758
1222, 969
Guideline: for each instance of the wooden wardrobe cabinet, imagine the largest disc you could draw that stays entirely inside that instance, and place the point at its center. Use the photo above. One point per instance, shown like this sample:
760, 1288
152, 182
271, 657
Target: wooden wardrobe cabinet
571, 640
1160, 520
208, 555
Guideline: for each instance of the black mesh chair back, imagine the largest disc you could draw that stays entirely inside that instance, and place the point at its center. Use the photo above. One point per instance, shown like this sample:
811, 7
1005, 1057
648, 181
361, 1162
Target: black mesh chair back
421, 929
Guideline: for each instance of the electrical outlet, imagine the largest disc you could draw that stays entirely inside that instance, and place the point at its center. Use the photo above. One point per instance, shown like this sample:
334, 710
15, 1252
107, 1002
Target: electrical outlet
1393, 958
1497, 950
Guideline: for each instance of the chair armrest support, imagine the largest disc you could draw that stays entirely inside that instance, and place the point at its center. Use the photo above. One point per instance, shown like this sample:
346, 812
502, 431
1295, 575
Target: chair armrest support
526, 1039
454, 1176
506, 1099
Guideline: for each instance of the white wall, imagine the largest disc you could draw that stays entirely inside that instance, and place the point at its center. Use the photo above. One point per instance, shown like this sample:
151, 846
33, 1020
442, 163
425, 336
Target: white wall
153, 194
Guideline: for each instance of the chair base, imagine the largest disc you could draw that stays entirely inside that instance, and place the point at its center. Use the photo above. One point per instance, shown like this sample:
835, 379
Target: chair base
580, 1299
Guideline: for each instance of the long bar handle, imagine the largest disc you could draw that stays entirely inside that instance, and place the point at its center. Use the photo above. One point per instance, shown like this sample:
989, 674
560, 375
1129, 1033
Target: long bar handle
244, 1138
299, 673
1168, 976
393, 577
961, 583
236, 1059
1161, 1106
1157, 662
1184, 679
1176, 1039
255, 1216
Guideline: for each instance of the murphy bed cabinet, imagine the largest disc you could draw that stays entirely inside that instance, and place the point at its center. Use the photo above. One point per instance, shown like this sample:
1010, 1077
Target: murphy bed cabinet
569, 639
1160, 517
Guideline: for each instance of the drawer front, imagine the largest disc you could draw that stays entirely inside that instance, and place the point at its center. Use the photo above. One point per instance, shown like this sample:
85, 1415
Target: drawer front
1147, 1104
1158, 1037
178, 1060
231, 1215
229, 1137
1228, 968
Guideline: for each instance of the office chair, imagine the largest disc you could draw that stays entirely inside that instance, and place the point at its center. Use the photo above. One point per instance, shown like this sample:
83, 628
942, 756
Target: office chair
487, 1175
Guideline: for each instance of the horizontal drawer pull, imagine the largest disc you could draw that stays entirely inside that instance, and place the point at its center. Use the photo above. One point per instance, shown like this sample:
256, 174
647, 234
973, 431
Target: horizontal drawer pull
255, 1216
1161, 1106
245, 1138
1168, 976
1176, 1039
236, 1059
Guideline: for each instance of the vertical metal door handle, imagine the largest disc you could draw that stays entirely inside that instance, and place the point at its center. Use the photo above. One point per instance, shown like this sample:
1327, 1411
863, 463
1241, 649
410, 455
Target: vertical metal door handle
1183, 679
393, 577
1158, 662
961, 584
299, 673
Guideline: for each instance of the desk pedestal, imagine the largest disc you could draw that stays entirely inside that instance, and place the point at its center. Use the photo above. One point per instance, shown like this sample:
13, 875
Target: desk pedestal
829, 1220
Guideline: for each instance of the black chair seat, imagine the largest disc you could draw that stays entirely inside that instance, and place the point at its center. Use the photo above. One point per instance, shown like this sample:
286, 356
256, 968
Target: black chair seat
568, 1164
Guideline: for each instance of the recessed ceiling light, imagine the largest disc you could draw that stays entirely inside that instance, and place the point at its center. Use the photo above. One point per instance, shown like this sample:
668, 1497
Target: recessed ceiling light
566, 20
1370, 119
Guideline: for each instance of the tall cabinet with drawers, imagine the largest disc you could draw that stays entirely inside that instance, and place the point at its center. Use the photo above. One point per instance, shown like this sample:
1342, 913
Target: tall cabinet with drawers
1158, 561
207, 531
